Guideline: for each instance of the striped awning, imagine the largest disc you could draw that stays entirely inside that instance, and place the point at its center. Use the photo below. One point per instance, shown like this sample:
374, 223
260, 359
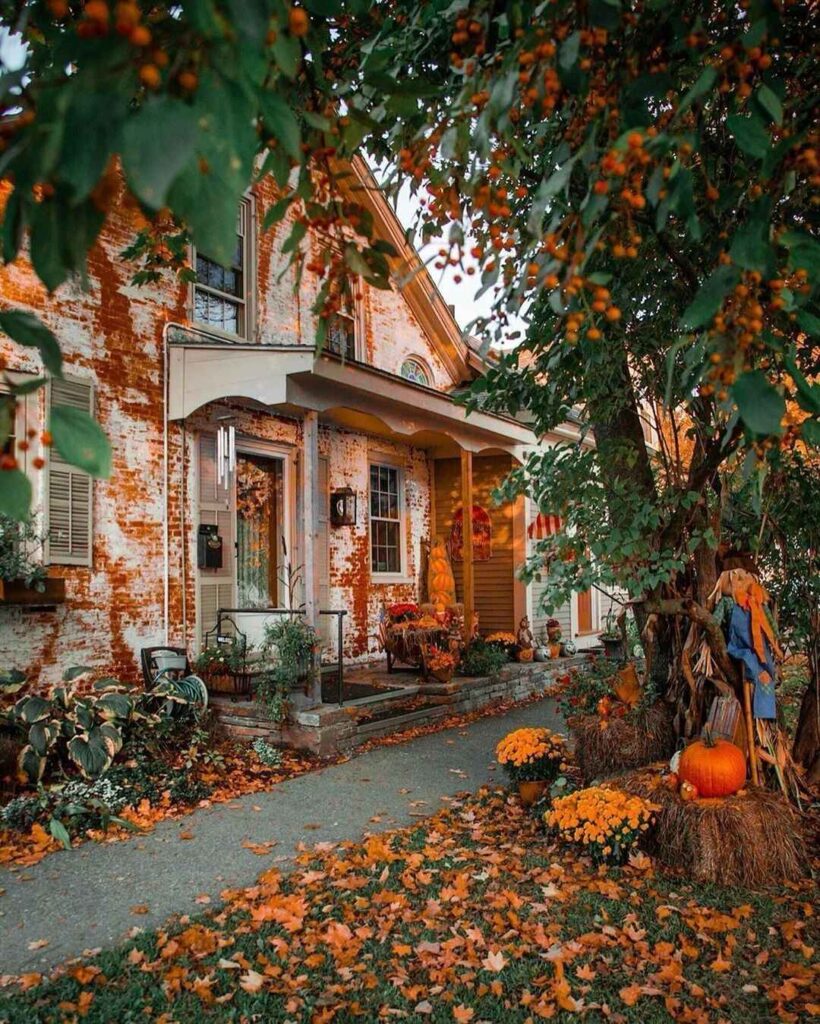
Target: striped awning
544, 526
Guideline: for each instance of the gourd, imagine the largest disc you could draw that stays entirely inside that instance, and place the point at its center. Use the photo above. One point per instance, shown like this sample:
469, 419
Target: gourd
715, 767
688, 792
441, 584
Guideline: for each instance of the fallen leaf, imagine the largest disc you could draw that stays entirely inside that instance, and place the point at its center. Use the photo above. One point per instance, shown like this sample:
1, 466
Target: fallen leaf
139, 908
38, 944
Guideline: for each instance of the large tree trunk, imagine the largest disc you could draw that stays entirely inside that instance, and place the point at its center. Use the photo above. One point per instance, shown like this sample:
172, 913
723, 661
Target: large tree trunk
806, 750
620, 440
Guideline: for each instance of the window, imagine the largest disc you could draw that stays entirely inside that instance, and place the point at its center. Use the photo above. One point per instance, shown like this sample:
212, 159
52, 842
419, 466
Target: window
414, 370
386, 511
69, 495
341, 326
222, 294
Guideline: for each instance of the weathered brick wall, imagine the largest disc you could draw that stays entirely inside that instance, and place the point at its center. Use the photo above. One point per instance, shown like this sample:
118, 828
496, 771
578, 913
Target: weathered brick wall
112, 336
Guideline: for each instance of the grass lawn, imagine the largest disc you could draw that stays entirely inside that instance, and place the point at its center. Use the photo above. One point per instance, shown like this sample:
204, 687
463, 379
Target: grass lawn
471, 916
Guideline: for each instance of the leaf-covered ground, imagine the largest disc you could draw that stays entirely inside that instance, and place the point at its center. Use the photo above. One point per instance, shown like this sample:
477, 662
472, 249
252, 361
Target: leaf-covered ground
472, 915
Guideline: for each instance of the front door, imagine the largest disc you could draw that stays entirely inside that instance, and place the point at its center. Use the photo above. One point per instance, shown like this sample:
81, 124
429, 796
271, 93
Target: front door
259, 531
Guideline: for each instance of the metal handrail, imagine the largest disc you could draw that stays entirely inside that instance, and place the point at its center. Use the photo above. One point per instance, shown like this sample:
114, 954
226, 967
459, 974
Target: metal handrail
340, 615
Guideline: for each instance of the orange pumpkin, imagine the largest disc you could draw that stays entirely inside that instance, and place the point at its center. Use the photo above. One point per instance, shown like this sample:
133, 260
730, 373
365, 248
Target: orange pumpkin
714, 767
441, 585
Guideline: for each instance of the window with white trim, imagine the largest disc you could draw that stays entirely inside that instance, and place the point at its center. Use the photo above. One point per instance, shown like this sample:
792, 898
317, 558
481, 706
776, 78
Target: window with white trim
386, 519
222, 295
69, 493
343, 325
414, 370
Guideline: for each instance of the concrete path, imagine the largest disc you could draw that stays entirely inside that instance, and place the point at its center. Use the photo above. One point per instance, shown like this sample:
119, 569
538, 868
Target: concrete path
83, 899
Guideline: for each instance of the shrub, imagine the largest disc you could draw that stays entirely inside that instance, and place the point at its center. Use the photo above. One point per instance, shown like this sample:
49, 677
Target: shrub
583, 687
21, 552
68, 731
480, 658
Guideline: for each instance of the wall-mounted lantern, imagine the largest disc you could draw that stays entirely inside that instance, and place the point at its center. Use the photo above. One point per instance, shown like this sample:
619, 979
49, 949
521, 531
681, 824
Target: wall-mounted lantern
343, 507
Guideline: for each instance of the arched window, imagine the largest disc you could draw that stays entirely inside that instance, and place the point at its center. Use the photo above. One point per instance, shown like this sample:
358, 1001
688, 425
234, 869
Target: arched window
416, 371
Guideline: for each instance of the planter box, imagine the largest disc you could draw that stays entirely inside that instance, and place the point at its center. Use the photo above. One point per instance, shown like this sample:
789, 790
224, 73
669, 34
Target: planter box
16, 592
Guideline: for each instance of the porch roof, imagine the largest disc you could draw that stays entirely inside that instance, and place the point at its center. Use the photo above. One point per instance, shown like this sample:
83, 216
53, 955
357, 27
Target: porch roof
293, 378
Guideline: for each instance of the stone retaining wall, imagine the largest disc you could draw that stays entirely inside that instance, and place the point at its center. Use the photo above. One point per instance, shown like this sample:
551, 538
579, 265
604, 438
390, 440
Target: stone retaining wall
329, 730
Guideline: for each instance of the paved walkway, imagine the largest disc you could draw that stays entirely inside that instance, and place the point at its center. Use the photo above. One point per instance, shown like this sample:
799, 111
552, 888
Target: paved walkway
83, 898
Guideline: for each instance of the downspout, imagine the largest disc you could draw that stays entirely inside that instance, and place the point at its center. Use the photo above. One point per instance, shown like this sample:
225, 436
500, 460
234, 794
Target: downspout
166, 554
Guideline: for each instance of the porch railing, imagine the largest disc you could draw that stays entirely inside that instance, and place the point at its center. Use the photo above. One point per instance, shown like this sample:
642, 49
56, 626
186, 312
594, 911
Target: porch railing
291, 612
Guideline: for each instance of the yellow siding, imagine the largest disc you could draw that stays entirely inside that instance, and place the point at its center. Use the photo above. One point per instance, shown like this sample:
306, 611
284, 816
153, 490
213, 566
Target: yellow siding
493, 578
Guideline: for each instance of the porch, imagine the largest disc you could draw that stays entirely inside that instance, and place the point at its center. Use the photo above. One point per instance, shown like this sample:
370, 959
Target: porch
377, 703
328, 423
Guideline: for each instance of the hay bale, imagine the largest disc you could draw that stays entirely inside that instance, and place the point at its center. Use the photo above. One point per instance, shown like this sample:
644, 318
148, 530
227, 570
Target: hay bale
752, 839
604, 746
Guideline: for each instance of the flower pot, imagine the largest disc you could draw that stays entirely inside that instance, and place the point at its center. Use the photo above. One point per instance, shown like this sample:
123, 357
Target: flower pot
16, 592
613, 648
531, 792
555, 650
443, 675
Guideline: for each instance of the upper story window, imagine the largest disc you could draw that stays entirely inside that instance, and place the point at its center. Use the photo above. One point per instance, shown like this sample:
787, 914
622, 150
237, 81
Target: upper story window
414, 370
343, 326
222, 295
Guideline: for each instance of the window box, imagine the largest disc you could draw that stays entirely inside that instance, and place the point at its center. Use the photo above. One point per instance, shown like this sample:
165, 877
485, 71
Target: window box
16, 592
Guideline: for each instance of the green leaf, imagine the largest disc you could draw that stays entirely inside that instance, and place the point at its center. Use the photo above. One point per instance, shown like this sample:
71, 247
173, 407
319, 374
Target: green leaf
157, 143
32, 764
770, 102
808, 395
115, 705
28, 330
90, 753
760, 405
75, 671
809, 322
750, 247
810, 430
709, 298
32, 709
282, 124
60, 833
15, 494
46, 244
703, 85
288, 53
570, 49
41, 735
750, 135
80, 440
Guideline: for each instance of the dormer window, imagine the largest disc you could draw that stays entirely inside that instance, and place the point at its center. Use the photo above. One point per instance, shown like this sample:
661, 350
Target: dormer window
414, 370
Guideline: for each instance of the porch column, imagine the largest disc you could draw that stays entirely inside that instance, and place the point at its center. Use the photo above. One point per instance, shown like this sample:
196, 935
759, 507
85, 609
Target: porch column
310, 527
467, 551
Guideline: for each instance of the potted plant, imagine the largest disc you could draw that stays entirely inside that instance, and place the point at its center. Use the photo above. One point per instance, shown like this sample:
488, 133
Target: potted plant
23, 576
611, 639
553, 629
532, 759
440, 664
224, 666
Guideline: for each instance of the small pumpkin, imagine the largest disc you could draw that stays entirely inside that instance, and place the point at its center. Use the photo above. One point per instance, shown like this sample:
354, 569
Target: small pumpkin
688, 791
604, 706
715, 767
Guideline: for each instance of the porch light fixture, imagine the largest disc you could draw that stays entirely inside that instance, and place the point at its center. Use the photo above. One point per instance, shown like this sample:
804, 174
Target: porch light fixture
225, 454
343, 507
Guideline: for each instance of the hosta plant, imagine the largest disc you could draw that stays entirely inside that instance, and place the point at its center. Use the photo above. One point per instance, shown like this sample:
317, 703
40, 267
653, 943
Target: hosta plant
70, 729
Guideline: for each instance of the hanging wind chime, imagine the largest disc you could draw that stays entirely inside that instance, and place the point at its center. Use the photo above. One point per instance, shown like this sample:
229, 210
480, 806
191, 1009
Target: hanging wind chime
225, 454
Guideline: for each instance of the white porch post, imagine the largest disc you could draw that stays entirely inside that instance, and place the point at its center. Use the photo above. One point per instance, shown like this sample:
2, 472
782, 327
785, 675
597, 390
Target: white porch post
310, 532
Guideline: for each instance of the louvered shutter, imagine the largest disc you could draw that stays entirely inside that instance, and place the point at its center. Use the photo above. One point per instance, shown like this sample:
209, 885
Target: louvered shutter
216, 586
69, 494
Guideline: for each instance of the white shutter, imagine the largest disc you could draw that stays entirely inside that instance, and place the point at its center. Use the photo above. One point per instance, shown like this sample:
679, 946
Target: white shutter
69, 496
216, 505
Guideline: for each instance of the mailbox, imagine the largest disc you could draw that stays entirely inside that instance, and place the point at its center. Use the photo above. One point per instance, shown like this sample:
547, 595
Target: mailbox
209, 547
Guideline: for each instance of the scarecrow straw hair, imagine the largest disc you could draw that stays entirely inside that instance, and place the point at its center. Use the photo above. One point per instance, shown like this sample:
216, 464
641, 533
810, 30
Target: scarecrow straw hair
607, 745
754, 839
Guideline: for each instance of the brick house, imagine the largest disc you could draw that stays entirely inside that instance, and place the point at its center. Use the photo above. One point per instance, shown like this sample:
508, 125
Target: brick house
172, 369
